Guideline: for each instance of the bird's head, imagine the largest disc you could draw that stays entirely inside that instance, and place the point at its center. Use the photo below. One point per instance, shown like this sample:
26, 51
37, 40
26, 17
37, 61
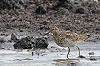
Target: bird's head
53, 30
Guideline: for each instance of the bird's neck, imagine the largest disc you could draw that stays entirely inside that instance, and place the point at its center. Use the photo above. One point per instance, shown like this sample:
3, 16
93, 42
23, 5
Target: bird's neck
56, 33
56, 36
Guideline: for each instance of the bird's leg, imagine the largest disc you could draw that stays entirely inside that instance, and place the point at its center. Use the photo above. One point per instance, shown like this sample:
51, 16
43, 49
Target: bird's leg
78, 50
80, 56
68, 52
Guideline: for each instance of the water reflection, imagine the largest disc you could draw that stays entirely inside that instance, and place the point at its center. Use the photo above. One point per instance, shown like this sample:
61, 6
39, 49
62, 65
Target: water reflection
67, 64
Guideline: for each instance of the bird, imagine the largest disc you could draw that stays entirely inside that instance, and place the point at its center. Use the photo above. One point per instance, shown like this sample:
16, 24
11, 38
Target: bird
66, 38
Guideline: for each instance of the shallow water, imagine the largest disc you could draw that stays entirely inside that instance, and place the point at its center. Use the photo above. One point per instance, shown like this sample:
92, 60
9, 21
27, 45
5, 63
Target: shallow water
46, 57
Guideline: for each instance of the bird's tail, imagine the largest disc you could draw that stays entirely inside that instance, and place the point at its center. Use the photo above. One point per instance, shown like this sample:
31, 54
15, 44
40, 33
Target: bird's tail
82, 37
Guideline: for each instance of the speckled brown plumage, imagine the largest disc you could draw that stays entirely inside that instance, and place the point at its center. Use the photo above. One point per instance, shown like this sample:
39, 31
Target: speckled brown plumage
66, 38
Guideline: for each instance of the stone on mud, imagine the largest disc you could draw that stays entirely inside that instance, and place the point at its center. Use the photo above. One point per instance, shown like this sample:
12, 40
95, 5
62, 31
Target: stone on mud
14, 38
24, 43
41, 43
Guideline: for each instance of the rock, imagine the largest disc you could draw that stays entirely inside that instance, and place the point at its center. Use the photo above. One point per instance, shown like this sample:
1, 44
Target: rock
8, 26
24, 43
81, 10
92, 58
97, 29
14, 38
91, 53
70, 7
20, 30
41, 43
63, 3
5, 4
2, 40
44, 27
40, 10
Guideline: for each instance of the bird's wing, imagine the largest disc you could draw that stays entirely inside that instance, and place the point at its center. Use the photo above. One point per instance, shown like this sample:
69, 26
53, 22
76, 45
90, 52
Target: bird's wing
75, 36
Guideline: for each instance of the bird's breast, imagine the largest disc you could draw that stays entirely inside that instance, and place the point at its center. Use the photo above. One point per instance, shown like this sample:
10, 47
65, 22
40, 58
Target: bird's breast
63, 42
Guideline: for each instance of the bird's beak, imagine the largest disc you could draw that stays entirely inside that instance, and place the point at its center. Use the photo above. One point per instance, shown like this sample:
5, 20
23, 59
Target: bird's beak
48, 32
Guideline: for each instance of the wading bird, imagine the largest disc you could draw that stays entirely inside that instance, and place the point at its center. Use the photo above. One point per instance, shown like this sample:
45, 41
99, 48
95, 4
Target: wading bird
66, 38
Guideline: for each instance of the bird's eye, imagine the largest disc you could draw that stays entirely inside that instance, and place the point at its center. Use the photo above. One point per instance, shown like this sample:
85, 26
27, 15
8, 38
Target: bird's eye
53, 29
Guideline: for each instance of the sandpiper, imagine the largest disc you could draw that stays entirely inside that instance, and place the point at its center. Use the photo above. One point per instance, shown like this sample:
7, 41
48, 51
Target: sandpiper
66, 38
